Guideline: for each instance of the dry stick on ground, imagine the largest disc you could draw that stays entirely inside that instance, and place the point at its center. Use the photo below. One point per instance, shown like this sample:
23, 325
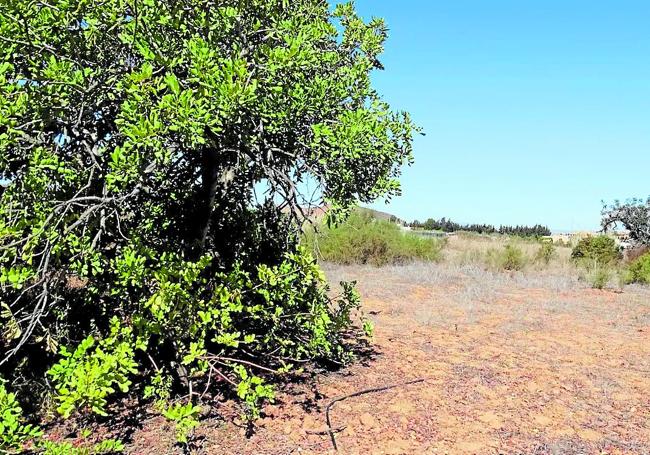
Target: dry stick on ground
331, 431
326, 432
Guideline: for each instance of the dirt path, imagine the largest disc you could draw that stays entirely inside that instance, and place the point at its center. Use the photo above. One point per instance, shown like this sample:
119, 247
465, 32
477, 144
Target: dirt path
513, 365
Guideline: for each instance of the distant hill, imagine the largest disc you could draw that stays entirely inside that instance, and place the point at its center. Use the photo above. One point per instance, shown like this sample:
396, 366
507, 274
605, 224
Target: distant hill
318, 213
379, 215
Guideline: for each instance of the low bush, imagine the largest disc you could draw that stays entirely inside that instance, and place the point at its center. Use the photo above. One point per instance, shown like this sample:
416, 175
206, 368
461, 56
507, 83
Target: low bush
598, 276
14, 432
639, 270
365, 240
252, 327
601, 249
109, 446
510, 257
86, 377
186, 419
18, 436
546, 253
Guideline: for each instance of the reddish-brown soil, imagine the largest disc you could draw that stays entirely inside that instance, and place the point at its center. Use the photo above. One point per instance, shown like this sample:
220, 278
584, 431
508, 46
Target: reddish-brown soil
512, 365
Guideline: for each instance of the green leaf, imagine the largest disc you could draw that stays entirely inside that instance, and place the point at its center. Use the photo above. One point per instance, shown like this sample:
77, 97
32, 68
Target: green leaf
172, 83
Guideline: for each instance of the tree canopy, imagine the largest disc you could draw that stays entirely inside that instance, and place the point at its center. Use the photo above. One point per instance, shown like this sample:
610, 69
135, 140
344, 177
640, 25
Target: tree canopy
633, 215
154, 155
447, 225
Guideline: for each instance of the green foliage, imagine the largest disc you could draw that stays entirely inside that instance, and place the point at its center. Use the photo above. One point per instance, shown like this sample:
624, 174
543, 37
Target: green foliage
639, 270
252, 391
185, 417
283, 310
109, 446
598, 275
159, 387
546, 253
365, 240
601, 249
14, 432
85, 377
511, 258
133, 141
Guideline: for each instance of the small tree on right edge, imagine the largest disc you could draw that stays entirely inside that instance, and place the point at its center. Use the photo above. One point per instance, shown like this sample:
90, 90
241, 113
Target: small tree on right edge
633, 215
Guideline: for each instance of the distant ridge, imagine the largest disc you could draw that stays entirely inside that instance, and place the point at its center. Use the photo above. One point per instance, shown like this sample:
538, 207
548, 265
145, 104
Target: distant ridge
379, 215
316, 213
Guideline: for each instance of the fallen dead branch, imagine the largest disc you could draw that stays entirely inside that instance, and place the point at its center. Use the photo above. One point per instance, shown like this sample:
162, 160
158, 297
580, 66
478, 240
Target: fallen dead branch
332, 431
326, 432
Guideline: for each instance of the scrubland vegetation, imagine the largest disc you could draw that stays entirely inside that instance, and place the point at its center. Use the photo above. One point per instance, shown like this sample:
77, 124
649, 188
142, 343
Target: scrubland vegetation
600, 249
596, 260
639, 270
365, 240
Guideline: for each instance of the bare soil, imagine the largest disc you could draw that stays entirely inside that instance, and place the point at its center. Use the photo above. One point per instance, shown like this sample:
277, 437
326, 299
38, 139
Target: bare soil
513, 364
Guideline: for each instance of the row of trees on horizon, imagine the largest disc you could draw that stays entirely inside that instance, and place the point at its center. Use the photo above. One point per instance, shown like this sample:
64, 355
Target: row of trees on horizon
446, 225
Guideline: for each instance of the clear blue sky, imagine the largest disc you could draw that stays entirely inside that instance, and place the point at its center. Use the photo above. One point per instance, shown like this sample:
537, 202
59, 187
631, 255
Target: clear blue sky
534, 111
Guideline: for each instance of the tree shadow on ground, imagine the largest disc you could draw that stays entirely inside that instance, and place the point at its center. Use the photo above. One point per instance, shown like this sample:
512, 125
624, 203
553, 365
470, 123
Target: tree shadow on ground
303, 389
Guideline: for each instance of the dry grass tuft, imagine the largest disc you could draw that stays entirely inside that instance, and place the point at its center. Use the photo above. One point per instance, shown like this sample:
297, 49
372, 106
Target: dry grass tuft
485, 250
473, 284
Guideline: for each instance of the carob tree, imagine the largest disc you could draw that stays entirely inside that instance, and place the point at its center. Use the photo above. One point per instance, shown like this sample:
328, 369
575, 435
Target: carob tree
154, 161
633, 215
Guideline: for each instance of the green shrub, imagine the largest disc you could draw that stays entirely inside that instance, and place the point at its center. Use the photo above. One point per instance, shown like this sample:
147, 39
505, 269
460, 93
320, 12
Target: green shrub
623, 277
16, 436
283, 309
185, 418
109, 446
601, 249
14, 432
639, 270
546, 253
599, 275
511, 258
83, 379
361, 239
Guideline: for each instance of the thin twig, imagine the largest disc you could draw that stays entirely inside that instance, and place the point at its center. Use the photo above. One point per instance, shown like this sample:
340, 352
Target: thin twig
331, 431
326, 432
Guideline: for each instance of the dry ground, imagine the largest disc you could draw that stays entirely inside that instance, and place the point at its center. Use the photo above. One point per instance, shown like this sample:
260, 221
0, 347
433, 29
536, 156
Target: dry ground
515, 363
